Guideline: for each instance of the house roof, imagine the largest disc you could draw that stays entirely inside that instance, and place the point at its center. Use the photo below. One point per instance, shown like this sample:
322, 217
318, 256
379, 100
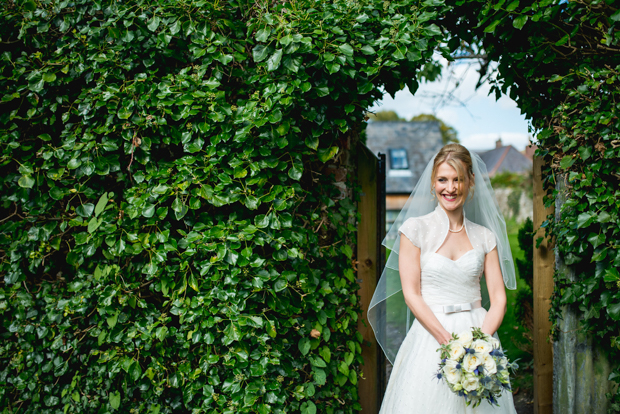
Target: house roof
421, 140
505, 158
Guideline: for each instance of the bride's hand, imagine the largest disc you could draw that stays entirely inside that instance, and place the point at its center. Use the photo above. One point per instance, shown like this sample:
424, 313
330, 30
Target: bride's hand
444, 338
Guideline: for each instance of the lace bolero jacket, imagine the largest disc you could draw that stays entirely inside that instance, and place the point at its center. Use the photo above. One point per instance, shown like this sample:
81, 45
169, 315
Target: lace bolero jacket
430, 231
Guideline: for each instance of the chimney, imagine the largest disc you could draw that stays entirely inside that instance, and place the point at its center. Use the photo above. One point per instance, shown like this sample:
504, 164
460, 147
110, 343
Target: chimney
530, 150
498, 143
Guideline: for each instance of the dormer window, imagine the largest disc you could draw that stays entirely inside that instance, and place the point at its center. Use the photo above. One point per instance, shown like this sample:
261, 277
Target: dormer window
398, 159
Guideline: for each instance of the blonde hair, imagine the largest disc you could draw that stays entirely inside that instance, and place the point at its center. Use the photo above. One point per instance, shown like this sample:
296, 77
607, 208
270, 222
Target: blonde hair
457, 157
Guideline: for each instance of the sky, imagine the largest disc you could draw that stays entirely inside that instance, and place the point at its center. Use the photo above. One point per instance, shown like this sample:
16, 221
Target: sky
478, 118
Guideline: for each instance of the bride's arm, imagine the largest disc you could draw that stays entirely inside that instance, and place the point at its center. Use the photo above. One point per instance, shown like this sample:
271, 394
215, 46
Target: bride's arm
497, 293
409, 268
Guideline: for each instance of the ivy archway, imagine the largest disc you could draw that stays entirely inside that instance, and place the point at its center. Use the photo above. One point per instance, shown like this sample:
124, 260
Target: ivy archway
171, 238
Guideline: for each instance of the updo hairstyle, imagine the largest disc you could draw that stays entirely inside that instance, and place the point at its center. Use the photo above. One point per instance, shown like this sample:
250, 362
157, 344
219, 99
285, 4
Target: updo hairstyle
452, 154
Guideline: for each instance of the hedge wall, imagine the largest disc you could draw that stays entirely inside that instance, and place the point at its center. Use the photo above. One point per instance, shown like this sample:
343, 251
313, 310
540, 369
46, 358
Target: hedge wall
170, 238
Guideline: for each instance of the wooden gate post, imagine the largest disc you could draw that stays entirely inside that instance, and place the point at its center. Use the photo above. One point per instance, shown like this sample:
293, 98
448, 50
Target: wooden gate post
370, 232
544, 264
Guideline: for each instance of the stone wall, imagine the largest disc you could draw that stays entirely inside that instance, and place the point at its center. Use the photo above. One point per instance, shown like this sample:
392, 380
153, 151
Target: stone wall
514, 203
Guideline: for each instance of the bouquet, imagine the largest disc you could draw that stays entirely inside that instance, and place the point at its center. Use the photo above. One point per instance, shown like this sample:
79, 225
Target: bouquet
475, 367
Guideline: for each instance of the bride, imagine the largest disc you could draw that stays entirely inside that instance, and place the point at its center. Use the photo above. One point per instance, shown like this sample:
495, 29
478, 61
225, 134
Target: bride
431, 285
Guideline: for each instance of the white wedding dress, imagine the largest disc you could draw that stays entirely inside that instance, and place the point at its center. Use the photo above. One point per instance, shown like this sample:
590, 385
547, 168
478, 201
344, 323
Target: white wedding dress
413, 387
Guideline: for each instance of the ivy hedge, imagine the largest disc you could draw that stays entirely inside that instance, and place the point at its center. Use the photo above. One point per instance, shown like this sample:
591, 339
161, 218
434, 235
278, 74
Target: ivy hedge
560, 61
171, 239
170, 235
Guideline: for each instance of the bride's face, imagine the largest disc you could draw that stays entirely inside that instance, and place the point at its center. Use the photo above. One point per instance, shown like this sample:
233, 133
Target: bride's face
450, 192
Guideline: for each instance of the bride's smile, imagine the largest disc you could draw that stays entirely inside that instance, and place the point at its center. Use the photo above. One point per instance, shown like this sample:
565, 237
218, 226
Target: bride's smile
450, 191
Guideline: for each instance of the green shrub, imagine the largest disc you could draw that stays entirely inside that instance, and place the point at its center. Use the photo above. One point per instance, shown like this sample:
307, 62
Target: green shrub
169, 241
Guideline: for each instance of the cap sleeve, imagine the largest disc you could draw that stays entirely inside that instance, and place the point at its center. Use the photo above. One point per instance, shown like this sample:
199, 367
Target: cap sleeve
410, 229
489, 240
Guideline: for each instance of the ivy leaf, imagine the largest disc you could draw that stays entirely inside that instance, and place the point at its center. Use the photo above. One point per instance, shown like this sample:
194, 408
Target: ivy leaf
292, 64
433, 30
584, 219
111, 320
103, 200
148, 210
124, 113
599, 254
176, 27
520, 21
319, 376
262, 34
596, 239
585, 152
26, 181
512, 6
94, 224
326, 154
153, 24
346, 49
346, 249
51, 400
280, 285
312, 142
161, 333
296, 171
135, 371
85, 210
491, 28
274, 61
308, 407
49, 77
115, 399
612, 275
332, 67
614, 311
368, 50
259, 53
304, 346
102, 337
566, 162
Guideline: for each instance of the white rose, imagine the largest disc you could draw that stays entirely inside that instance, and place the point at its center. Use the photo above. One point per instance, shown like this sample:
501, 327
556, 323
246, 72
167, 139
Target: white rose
493, 342
489, 364
470, 383
471, 362
503, 362
451, 373
481, 346
466, 338
456, 350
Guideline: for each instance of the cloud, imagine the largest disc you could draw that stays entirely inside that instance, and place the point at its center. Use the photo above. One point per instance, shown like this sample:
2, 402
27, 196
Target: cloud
481, 142
478, 117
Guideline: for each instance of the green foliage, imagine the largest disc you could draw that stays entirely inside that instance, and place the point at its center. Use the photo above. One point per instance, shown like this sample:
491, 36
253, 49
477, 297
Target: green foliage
560, 61
509, 179
167, 243
525, 265
448, 133
384, 116
524, 307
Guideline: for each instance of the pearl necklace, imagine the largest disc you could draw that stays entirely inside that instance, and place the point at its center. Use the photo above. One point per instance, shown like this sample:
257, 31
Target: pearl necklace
457, 231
